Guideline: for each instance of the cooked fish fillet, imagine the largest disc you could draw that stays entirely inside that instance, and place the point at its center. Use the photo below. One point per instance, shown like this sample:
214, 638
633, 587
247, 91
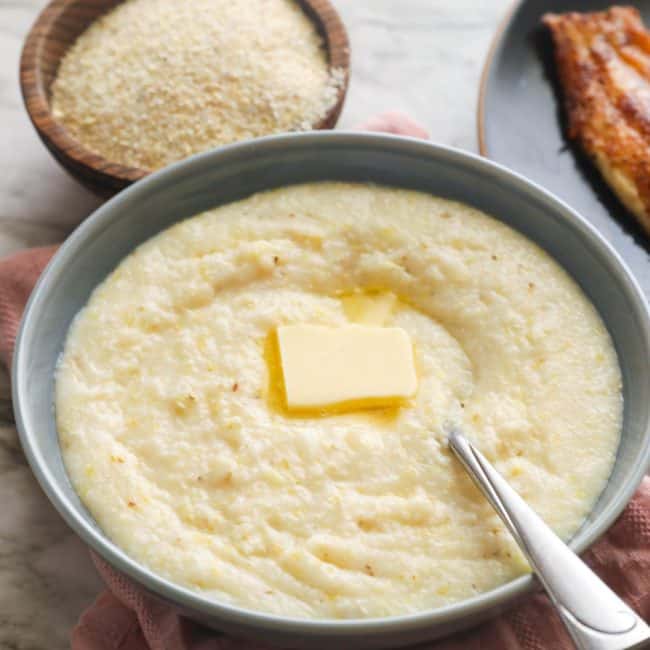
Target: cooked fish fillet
603, 60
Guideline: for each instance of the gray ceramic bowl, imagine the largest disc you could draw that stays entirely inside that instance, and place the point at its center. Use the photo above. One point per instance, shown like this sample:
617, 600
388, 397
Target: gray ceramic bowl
234, 172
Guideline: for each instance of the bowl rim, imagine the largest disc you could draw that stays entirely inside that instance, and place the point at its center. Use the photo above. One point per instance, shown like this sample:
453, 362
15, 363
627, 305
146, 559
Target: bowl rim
499, 597
64, 145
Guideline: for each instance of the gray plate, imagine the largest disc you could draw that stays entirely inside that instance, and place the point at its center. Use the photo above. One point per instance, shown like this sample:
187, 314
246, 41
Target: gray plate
204, 181
522, 126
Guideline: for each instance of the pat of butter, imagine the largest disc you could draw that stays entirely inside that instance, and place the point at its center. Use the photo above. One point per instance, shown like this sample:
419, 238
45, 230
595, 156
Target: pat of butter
345, 367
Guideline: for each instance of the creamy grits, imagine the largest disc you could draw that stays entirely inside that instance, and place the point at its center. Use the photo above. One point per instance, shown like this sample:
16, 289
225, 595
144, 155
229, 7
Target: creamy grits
175, 437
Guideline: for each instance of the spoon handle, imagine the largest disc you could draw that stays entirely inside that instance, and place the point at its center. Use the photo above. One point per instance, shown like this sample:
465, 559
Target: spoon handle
595, 617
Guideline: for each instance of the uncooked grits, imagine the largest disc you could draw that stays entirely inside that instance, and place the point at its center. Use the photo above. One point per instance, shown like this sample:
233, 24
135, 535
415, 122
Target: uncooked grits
155, 81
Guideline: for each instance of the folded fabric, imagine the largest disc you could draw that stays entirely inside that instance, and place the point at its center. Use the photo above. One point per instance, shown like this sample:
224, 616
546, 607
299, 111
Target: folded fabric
125, 617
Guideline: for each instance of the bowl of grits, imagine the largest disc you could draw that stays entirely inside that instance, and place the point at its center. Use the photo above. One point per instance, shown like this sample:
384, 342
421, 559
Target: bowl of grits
163, 414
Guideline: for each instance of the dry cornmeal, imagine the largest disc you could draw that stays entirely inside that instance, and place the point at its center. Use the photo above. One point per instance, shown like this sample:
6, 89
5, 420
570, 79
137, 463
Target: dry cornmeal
154, 81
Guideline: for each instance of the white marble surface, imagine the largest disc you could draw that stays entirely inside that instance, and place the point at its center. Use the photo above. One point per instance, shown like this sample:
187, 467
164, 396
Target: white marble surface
420, 56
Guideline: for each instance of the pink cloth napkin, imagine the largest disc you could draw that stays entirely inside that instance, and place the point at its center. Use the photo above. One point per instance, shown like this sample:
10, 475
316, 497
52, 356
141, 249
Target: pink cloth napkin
124, 617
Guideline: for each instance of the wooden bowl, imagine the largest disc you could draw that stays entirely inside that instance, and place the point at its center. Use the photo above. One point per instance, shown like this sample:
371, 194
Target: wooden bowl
58, 27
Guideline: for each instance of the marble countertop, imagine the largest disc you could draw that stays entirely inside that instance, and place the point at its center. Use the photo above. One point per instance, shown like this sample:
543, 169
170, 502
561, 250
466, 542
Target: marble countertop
423, 57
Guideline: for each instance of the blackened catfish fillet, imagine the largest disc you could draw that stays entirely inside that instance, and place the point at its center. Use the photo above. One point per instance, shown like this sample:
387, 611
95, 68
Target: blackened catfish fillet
603, 62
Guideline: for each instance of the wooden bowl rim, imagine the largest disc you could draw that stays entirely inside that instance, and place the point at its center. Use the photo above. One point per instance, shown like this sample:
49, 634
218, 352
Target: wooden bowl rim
35, 96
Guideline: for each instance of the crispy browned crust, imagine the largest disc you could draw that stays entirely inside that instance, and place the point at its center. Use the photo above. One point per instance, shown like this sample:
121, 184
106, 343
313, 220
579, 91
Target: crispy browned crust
603, 61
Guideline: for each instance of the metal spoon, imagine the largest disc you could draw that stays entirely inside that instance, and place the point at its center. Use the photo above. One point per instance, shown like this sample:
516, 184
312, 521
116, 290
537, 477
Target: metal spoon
595, 617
